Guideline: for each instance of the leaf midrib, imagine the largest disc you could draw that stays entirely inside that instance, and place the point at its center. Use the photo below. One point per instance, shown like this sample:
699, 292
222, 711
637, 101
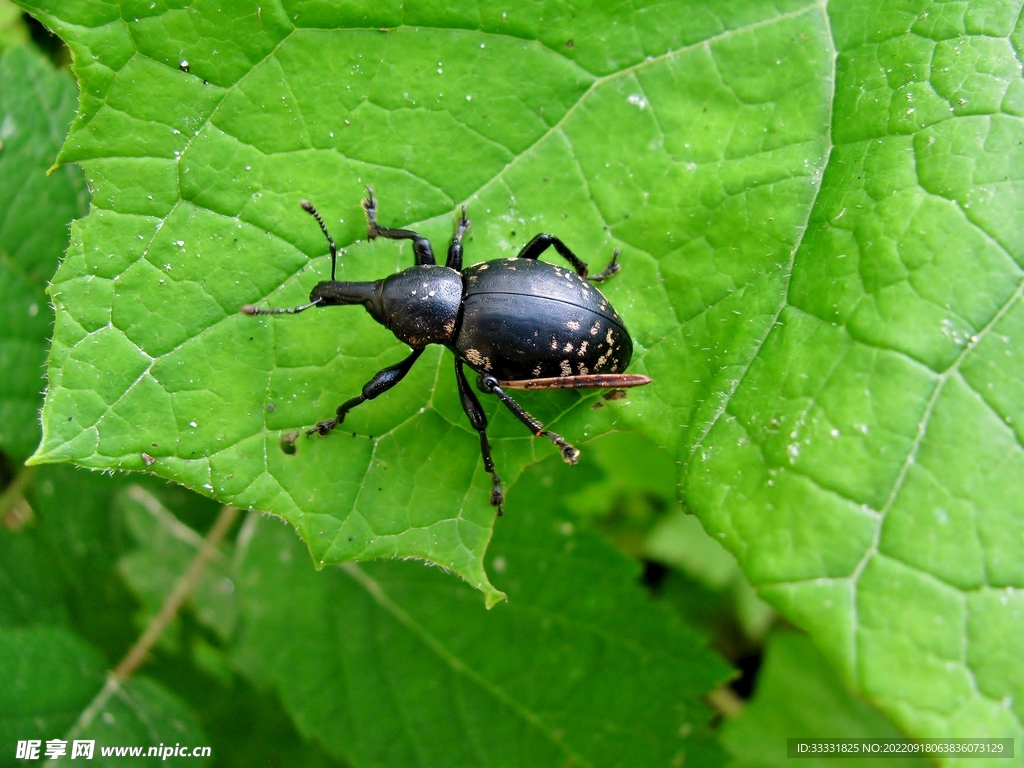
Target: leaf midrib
374, 589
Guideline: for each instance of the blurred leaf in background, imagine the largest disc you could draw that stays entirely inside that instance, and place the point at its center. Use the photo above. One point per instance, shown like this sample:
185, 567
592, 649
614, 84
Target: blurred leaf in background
13, 28
800, 696
388, 664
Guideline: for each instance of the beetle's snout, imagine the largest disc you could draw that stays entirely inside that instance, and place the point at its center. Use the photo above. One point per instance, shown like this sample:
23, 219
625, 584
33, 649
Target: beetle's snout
339, 293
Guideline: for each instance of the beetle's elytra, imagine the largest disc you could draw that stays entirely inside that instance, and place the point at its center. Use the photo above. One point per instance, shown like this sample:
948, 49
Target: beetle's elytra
518, 323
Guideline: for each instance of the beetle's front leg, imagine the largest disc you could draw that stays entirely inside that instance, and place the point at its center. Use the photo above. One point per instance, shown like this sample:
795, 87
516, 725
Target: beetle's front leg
489, 384
478, 419
421, 249
381, 382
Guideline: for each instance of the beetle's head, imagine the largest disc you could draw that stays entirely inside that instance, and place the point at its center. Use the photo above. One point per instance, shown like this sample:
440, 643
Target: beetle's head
420, 305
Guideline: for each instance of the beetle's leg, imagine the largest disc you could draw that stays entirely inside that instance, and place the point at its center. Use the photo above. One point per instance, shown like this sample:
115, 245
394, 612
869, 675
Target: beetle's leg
420, 245
455, 249
542, 242
611, 269
308, 208
381, 382
471, 405
489, 384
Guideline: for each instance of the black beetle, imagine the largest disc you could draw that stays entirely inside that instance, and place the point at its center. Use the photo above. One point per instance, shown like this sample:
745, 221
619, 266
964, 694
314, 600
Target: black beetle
519, 323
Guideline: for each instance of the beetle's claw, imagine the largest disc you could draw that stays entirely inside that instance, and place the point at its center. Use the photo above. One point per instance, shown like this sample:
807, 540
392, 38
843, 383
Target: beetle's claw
323, 428
611, 269
370, 209
497, 498
569, 453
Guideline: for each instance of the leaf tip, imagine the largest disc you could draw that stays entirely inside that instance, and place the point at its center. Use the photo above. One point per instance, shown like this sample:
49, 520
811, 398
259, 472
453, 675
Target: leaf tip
37, 458
493, 596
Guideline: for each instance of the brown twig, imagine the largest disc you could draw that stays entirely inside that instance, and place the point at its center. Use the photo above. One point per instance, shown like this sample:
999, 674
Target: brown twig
14, 493
181, 591
725, 701
207, 551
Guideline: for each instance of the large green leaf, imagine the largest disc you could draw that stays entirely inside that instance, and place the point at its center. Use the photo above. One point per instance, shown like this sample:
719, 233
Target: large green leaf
867, 467
819, 212
197, 176
36, 106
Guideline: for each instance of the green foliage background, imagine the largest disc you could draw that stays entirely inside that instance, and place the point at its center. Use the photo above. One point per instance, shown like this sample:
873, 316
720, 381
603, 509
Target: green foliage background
818, 207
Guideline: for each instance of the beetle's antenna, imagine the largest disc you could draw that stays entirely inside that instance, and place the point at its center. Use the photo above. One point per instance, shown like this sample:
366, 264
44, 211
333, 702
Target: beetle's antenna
252, 309
308, 208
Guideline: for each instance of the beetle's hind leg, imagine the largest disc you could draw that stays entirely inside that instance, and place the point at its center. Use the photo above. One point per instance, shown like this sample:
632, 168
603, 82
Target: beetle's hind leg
489, 384
611, 269
420, 245
471, 405
381, 382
